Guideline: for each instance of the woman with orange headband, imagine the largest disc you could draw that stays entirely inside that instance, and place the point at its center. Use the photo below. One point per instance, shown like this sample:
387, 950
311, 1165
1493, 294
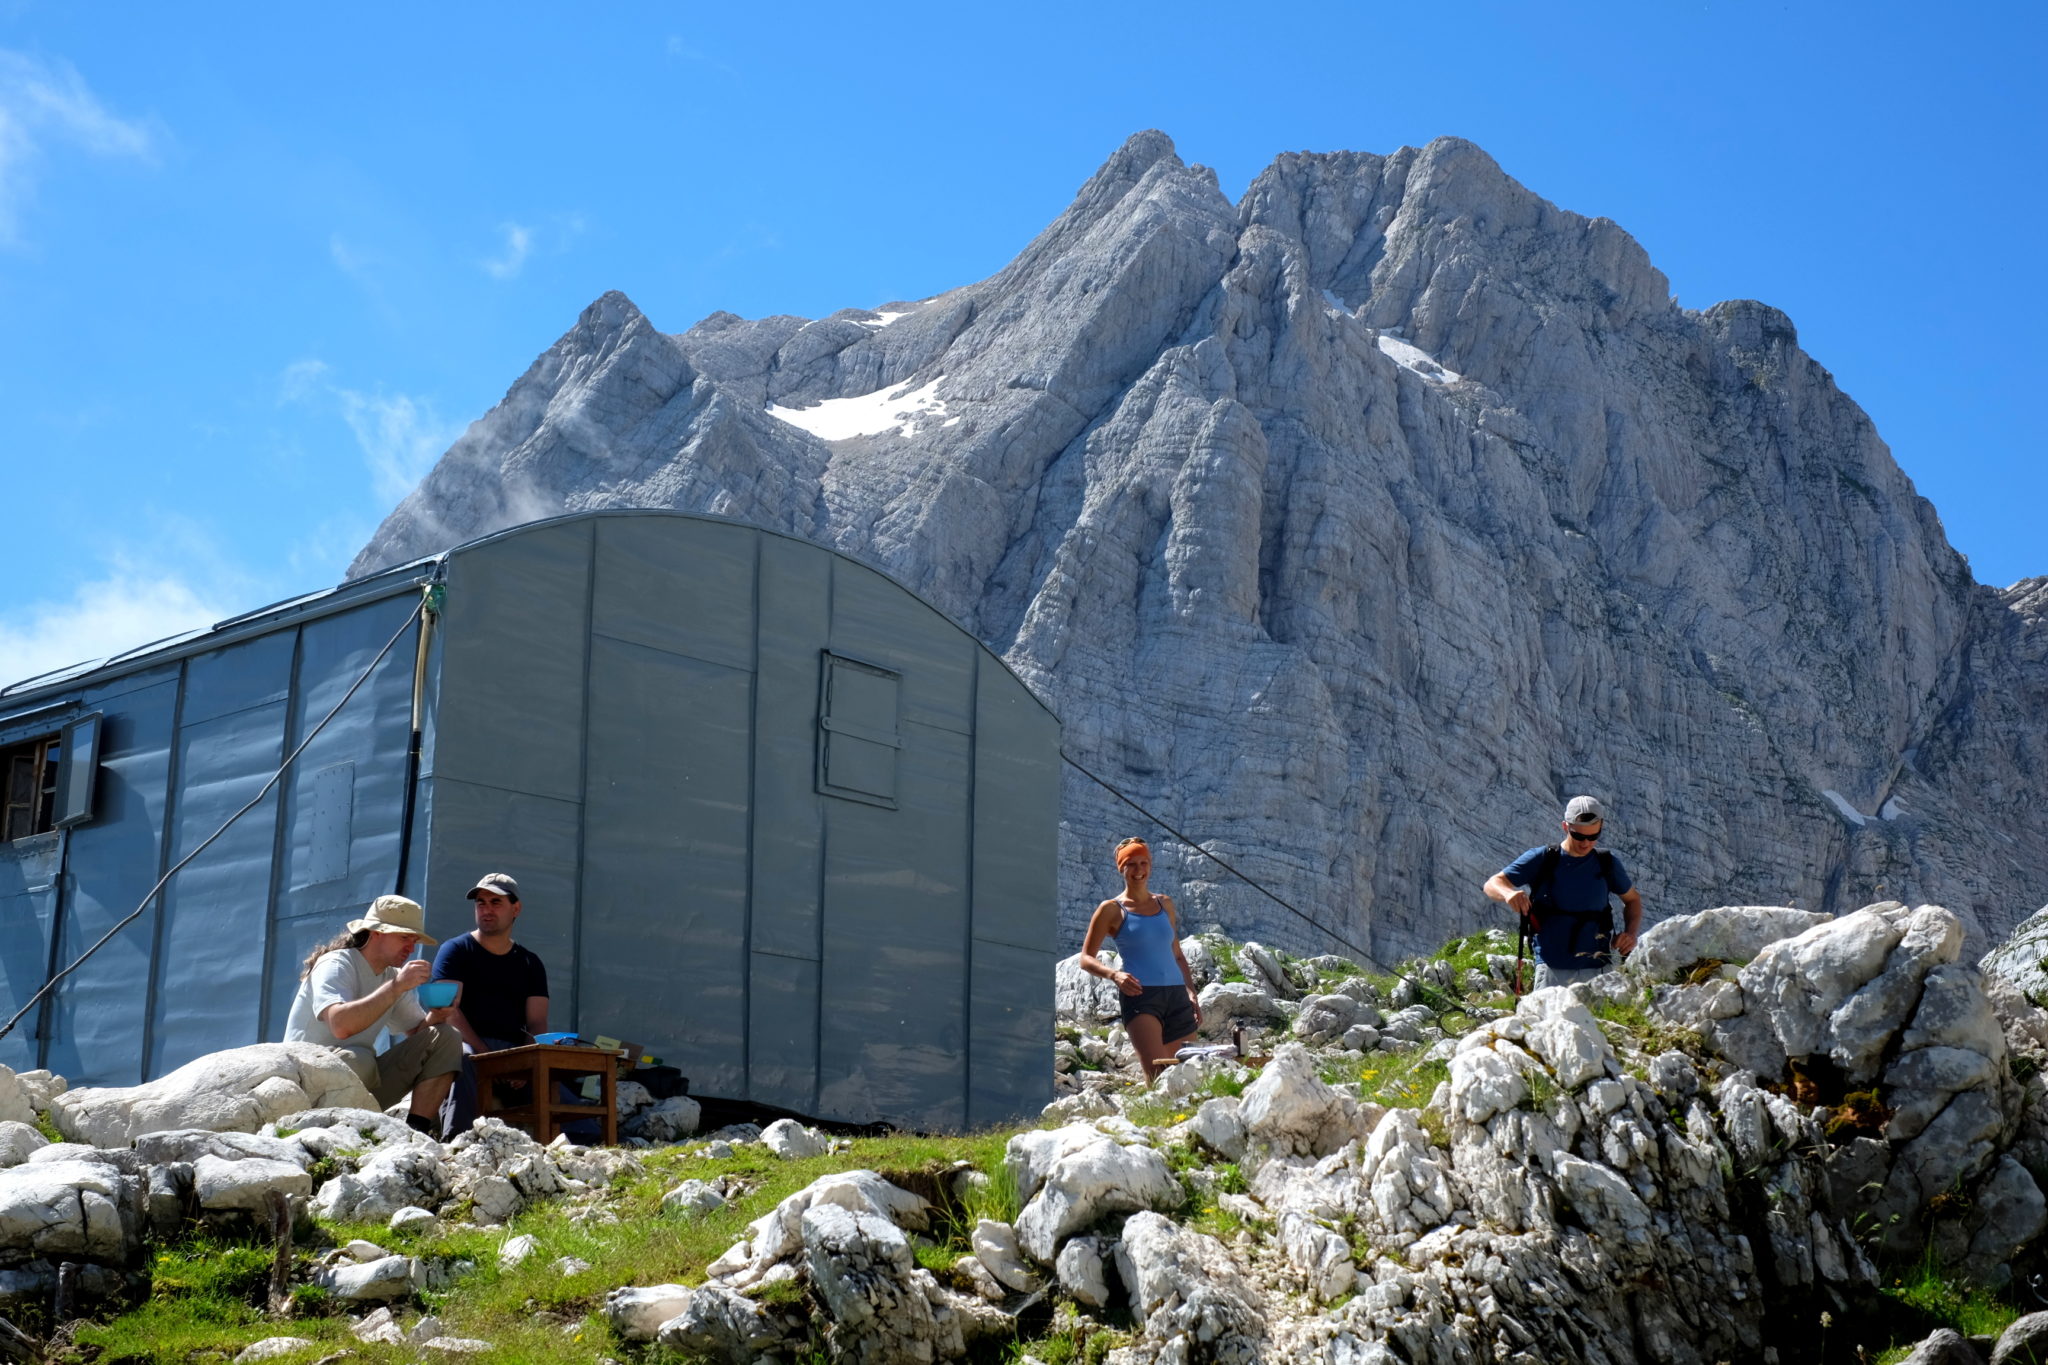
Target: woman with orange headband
1159, 1005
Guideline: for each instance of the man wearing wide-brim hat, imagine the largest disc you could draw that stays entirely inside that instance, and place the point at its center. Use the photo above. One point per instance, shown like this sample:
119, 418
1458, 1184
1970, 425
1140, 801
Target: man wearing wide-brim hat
356, 986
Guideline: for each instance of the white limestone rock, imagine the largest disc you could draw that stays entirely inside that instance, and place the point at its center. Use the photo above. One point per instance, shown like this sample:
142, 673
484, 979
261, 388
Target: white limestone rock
692, 1198
189, 1144
718, 1323
274, 1348
41, 1087
882, 1307
1262, 968
246, 1185
1325, 1017
1290, 1110
1069, 1177
668, 1120
378, 1325
15, 1104
1081, 998
995, 1246
1224, 1001
77, 1209
777, 1235
237, 1090
416, 1220
517, 1251
1188, 1293
1202, 961
792, 1141
1083, 1267
372, 1281
393, 1177
1219, 1124
1728, 933
629, 1098
638, 1313
18, 1142
1084, 1104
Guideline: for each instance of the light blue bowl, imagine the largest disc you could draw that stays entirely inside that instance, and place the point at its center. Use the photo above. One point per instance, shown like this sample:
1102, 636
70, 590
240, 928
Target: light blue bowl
436, 994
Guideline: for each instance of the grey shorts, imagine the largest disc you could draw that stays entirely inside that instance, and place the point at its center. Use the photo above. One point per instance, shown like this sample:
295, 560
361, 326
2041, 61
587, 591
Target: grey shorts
435, 1050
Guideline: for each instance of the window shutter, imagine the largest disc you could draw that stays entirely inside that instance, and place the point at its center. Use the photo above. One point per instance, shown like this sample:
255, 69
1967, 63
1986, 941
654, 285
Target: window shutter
858, 732
78, 772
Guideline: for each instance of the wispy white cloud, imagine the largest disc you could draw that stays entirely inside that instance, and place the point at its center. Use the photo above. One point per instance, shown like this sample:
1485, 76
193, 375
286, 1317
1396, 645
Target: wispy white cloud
399, 435
681, 50
518, 246
178, 581
44, 103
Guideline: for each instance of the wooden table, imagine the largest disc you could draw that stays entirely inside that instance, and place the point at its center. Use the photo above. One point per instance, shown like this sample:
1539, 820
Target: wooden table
542, 1066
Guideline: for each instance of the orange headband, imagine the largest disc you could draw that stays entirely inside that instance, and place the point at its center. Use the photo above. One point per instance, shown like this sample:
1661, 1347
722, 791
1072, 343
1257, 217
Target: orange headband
1125, 853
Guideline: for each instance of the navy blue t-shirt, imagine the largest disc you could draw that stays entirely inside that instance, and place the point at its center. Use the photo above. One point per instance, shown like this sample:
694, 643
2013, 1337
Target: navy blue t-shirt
1573, 940
494, 986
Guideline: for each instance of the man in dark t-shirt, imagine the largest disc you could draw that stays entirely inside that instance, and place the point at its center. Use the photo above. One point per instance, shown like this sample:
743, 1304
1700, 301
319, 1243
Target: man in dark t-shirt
1564, 889
504, 989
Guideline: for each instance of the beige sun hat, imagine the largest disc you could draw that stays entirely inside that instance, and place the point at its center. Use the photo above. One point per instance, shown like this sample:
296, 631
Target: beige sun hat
395, 915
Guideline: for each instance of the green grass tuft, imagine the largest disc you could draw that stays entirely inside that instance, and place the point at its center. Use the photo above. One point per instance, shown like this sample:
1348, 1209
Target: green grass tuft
1966, 1308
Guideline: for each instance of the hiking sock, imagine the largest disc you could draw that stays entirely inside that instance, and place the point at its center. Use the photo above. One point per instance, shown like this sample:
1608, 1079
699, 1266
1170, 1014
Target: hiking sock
430, 1124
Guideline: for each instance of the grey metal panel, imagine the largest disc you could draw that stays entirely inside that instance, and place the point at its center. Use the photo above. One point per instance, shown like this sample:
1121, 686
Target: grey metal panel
685, 587
97, 1027
28, 908
517, 611
1009, 1054
330, 815
371, 735
1016, 816
223, 681
896, 930
210, 965
877, 621
789, 820
665, 860
478, 829
782, 1032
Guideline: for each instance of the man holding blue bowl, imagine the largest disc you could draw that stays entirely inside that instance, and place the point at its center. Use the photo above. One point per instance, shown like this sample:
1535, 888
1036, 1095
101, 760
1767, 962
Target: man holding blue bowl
504, 988
356, 986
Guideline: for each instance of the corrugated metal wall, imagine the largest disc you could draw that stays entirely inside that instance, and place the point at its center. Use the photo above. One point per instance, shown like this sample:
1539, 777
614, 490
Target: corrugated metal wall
627, 720
184, 745
624, 711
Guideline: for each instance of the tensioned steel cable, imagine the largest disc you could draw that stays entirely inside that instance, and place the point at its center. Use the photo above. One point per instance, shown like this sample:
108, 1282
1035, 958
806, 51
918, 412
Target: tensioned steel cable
1424, 990
254, 801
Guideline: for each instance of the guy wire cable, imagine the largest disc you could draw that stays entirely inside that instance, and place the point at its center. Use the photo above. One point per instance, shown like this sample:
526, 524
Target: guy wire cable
254, 801
1424, 990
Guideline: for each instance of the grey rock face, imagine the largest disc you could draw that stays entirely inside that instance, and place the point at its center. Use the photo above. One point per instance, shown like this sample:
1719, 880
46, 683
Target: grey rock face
1356, 524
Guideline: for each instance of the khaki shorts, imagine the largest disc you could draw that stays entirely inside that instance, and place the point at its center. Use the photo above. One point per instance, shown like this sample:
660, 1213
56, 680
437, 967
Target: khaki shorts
435, 1050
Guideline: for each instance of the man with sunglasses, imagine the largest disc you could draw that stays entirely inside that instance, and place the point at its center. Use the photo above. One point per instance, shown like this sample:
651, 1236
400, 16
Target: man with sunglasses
1564, 889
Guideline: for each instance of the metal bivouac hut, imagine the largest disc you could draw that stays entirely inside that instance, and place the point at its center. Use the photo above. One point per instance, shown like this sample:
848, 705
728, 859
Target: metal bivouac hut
774, 818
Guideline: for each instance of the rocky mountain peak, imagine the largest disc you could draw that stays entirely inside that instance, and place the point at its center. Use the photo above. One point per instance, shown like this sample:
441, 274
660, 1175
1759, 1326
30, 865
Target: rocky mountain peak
1353, 526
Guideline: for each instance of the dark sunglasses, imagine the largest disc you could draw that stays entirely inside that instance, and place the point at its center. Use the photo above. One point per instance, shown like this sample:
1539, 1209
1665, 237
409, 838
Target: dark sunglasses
1582, 834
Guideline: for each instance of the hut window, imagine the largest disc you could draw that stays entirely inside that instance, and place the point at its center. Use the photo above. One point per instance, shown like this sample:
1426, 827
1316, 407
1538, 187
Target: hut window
857, 731
29, 772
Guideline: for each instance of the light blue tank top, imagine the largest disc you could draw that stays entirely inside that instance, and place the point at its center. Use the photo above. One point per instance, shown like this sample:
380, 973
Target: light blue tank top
1146, 942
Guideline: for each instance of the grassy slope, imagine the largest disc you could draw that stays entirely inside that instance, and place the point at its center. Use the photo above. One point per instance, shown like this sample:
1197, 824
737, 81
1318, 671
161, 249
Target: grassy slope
207, 1297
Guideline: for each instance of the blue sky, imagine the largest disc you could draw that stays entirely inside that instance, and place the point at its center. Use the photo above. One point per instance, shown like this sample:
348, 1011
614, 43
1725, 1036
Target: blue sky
259, 264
